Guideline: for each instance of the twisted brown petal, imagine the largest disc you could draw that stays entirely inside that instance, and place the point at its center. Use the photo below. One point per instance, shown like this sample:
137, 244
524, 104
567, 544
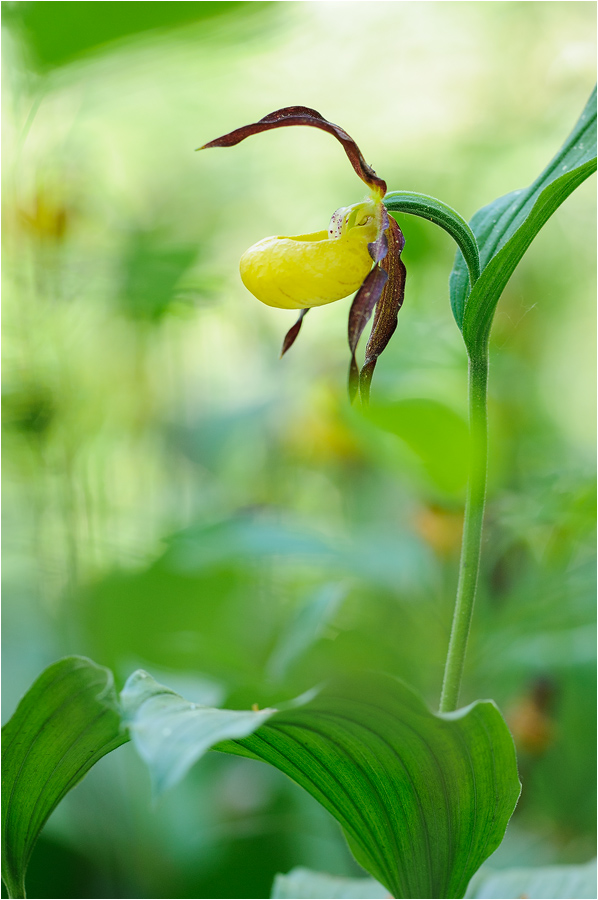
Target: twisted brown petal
303, 115
379, 248
292, 333
385, 319
359, 315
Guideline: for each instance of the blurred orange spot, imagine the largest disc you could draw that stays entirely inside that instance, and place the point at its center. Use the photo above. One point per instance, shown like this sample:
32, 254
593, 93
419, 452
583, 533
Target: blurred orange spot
530, 723
441, 528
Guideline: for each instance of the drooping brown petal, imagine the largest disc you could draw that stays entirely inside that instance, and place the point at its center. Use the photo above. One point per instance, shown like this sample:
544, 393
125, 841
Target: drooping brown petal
292, 333
303, 115
385, 319
379, 248
359, 315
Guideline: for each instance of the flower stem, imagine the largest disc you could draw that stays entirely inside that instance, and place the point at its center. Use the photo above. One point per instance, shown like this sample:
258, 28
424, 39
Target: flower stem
472, 531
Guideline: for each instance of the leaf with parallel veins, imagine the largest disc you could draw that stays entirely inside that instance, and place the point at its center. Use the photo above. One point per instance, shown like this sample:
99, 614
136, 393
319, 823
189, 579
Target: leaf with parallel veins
505, 228
423, 798
64, 724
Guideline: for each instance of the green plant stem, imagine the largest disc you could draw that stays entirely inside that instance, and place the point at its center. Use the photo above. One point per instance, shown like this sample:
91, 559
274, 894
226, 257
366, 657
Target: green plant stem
472, 530
445, 217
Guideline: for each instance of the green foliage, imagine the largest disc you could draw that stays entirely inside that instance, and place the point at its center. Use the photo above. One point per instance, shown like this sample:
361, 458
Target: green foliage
303, 883
555, 882
65, 723
65, 31
119, 435
224, 582
375, 757
434, 432
171, 734
550, 882
151, 271
368, 749
506, 227
440, 214
304, 629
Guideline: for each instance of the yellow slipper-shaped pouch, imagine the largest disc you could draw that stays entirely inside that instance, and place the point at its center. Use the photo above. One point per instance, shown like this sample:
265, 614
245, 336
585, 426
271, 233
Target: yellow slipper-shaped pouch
313, 269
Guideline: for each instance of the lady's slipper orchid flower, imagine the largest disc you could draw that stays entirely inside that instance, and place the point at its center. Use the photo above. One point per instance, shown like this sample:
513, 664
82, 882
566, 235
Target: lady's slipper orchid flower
360, 251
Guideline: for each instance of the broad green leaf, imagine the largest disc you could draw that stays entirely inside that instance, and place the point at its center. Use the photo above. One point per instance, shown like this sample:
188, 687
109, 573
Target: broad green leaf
506, 227
550, 882
304, 884
423, 799
64, 724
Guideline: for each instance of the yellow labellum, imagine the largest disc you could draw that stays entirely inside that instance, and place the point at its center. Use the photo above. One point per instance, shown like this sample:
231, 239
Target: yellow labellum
313, 269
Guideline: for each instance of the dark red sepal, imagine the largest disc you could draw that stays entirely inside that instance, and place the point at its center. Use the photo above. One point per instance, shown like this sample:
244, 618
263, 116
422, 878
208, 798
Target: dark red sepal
385, 319
303, 115
360, 313
292, 333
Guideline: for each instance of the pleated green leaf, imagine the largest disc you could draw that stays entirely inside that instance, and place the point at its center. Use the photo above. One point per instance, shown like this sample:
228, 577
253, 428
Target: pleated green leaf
506, 227
64, 724
423, 799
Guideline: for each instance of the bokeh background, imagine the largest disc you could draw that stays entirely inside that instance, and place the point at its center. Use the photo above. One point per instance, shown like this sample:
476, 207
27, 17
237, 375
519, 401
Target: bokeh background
178, 498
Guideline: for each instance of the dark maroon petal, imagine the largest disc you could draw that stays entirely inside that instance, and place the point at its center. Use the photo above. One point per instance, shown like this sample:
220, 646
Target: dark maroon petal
292, 333
359, 315
385, 319
379, 248
303, 115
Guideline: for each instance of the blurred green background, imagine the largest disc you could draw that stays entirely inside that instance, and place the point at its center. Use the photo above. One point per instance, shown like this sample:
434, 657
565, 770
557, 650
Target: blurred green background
178, 498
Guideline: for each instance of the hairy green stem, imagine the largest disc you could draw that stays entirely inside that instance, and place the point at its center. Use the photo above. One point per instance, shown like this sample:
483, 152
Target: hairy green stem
472, 531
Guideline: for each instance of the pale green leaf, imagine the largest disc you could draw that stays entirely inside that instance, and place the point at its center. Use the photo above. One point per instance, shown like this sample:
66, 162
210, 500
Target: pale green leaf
171, 734
64, 724
304, 884
423, 799
305, 628
550, 882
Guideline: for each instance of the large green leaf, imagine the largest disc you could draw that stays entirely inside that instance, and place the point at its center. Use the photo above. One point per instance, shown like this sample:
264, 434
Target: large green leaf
423, 799
64, 724
506, 227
